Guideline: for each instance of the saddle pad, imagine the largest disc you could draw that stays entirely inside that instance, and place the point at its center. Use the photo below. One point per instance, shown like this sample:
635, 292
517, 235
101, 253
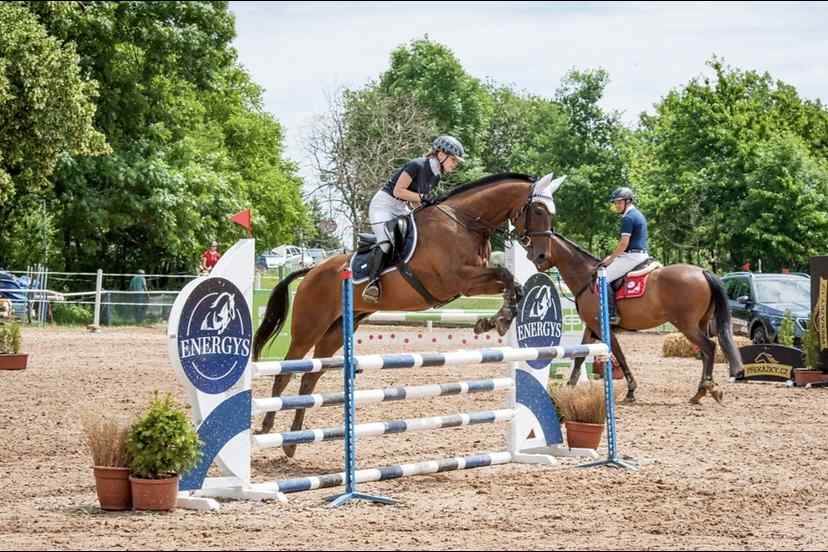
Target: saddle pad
633, 287
359, 261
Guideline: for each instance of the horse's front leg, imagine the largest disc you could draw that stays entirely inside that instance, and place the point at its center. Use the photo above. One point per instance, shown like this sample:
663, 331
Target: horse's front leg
487, 281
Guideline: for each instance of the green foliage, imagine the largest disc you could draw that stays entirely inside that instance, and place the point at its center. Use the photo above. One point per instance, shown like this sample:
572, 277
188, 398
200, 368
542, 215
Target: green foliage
163, 441
592, 151
733, 168
431, 72
810, 344
71, 315
9, 338
785, 335
46, 108
191, 143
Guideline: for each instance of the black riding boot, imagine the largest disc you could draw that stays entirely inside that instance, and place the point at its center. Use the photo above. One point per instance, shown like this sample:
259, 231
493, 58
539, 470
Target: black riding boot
371, 293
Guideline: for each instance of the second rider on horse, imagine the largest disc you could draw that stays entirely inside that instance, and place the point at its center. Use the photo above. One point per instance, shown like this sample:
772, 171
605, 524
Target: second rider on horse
632, 247
410, 184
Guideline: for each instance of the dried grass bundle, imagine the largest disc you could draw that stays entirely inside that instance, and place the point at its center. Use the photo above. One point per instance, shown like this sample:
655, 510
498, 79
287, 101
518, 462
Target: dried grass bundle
580, 403
106, 439
676, 345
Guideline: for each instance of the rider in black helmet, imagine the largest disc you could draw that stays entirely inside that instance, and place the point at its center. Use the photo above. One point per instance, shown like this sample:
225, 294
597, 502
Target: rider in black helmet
632, 247
409, 184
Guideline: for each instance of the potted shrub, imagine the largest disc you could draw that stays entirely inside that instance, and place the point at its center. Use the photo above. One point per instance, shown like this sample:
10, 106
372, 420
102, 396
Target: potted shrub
162, 444
810, 347
10, 357
581, 408
106, 439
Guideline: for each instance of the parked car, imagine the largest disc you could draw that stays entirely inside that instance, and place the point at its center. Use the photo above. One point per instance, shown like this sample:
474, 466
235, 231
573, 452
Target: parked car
758, 303
289, 255
316, 254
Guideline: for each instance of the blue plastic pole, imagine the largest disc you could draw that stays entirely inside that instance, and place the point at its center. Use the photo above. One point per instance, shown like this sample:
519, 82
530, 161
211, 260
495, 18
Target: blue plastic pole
613, 458
350, 405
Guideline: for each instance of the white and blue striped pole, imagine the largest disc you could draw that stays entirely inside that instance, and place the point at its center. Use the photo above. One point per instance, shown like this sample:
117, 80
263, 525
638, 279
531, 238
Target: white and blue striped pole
350, 404
613, 458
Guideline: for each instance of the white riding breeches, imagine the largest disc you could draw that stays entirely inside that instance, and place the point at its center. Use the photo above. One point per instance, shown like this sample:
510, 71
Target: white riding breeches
624, 263
382, 209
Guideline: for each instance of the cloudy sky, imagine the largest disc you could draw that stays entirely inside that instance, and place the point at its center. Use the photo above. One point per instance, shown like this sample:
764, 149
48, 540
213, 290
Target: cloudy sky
299, 51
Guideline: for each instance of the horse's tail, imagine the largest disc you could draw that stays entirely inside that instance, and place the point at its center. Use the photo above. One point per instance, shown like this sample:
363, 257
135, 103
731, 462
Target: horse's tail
723, 327
276, 312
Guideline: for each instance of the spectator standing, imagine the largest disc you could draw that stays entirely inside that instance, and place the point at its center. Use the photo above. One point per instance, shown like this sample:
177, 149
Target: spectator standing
209, 258
139, 284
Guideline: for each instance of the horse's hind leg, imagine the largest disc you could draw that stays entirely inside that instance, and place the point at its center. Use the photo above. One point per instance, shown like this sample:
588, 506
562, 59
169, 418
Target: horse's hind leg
628, 375
330, 343
298, 349
707, 346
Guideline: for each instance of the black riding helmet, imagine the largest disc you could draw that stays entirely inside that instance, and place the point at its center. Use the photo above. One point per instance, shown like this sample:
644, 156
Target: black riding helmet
622, 193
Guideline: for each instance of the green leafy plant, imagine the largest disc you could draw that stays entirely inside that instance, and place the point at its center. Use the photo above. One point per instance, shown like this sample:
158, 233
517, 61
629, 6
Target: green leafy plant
9, 339
163, 441
810, 345
785, 336
71, 314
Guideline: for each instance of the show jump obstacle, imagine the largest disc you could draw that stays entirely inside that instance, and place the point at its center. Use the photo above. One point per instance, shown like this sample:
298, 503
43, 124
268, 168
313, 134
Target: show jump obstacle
210, 342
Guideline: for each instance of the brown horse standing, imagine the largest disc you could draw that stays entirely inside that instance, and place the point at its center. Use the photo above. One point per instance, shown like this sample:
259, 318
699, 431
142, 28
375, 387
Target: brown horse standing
684, 295
450, 260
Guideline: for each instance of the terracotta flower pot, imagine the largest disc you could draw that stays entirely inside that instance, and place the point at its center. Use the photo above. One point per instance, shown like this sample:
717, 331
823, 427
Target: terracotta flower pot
154, 494
804, 377
13, 362
113, 488
583, 435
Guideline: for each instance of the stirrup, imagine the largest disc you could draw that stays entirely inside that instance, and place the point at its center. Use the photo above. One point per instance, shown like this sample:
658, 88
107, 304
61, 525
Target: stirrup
371, 293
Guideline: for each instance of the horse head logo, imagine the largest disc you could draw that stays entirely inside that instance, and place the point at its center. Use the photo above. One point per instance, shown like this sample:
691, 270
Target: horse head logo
542, 304
765, 358
222, 313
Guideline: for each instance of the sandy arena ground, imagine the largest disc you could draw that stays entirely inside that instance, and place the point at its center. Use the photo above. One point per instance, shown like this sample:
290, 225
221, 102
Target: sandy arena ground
747, 474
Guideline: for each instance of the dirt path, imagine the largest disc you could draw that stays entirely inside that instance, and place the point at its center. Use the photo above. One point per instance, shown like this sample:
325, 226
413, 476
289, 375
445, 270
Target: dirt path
746, 474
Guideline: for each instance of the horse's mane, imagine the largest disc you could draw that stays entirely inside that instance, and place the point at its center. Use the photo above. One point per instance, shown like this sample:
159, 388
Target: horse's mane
578, 248
484, 181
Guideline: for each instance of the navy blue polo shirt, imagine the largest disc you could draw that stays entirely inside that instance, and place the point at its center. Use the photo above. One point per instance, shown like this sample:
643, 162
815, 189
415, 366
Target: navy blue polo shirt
634, 225
423, 178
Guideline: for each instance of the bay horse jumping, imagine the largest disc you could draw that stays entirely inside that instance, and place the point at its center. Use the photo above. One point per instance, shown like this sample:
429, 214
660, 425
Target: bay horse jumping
685, 295
450, 260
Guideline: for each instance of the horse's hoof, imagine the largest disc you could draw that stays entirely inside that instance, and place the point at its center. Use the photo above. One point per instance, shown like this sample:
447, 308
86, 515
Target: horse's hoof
290, 450
502, 326
482, 326
696, 399
717, 394
628, 400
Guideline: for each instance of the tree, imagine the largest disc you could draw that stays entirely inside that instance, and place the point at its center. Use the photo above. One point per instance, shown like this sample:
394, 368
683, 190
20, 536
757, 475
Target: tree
359, 143
591, 151
432, 74
785, 211
525, 133
319, 236
703, 161
191, 142
46, 109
